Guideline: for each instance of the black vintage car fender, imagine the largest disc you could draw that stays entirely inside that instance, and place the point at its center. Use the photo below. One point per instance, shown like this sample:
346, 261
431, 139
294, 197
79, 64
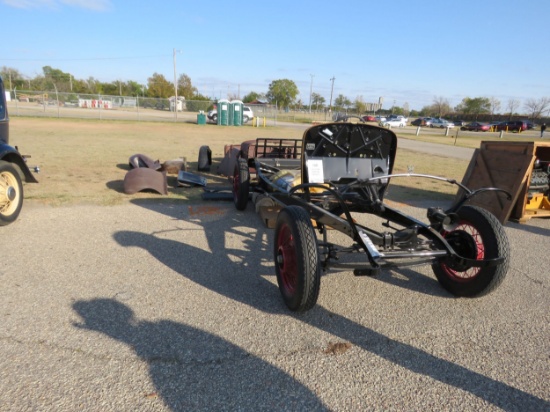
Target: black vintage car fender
11, 154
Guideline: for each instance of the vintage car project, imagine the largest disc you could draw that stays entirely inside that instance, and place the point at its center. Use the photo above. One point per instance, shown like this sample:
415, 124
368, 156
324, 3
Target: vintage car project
332, 176
13, 169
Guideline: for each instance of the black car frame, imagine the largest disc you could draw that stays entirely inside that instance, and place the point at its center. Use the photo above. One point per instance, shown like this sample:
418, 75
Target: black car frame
343, 168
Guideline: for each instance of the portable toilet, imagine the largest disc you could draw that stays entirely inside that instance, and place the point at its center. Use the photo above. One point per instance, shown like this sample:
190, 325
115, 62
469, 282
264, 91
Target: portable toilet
237, 107
230, 114
223, 112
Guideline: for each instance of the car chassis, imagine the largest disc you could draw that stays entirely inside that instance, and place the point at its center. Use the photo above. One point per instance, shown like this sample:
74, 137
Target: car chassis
342, 168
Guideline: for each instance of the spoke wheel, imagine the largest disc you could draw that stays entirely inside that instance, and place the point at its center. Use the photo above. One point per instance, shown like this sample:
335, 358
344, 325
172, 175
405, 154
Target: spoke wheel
479, 235
297, 259
11, 194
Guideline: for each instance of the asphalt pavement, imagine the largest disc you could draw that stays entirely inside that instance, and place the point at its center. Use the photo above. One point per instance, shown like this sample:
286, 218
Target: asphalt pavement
159, 307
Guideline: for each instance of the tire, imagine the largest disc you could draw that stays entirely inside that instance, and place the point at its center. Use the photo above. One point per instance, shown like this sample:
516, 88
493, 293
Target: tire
479, 235
297, 259
205, 159
241, 184
11, 193
245, 119
215, 118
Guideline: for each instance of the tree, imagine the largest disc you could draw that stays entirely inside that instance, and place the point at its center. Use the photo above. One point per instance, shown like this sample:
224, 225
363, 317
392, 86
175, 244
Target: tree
282, 92
537, 107
342, 102
56, 79
158, 86
134, 88
185, 88
12, 77
495, 105
475, 106
251, 97
317, 100
441, 106
512, 106
360, 105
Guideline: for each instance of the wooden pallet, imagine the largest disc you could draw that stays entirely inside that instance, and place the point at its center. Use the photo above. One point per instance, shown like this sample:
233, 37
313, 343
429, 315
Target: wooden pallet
508, 166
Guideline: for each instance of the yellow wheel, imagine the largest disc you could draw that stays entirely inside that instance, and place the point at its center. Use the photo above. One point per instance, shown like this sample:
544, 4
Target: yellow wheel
11, 193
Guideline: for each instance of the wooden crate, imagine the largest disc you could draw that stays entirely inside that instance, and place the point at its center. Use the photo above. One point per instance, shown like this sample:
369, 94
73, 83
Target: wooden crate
508, 166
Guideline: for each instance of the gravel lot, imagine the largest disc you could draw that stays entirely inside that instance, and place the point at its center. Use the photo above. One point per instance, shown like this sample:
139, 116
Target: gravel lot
175, 307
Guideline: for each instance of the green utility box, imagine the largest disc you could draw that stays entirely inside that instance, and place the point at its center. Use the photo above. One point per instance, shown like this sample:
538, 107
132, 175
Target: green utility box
201, 118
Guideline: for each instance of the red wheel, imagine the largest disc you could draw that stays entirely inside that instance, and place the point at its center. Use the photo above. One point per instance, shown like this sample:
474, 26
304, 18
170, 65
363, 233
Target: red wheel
479, 235
241, 184
297, 259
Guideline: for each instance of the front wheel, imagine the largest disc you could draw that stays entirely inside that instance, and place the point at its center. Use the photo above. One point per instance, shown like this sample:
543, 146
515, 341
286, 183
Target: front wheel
241, 184
245, 119
297, 259
11, 193
479, 235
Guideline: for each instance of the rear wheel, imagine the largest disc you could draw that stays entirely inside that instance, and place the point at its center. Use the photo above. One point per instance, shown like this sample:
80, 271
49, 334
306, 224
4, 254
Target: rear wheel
479, 235
297, 259
241, 184
245, 119
11, 193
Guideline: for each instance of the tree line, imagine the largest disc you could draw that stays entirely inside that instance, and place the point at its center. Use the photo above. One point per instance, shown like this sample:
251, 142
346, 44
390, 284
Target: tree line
282, 92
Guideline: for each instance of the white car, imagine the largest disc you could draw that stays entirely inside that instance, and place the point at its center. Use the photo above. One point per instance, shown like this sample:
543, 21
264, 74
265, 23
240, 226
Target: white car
442, 123
248, 114
394, 123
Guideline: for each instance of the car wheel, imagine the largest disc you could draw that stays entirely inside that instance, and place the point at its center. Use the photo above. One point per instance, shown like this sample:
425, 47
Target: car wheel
296, 256
245, 119
479, 236
215, 118
11, 193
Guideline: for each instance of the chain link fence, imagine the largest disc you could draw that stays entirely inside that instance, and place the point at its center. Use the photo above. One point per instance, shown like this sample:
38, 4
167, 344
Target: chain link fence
139, 108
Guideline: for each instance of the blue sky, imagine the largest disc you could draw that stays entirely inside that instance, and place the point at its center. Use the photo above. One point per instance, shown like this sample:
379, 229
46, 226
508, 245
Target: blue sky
404, 51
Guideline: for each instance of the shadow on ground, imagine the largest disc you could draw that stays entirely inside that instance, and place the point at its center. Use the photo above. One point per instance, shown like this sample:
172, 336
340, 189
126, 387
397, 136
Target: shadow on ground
238, 274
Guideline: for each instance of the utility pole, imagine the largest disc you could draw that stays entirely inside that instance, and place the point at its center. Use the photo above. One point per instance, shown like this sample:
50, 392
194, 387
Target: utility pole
310, 90
175, 88
331, 90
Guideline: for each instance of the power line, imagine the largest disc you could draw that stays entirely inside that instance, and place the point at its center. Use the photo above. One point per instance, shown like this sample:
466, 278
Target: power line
86, 59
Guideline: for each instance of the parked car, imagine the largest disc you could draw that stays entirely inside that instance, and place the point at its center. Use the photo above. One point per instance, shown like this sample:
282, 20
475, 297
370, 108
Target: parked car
476, 127
394, 123
369, 118
459, 123
380, 118
442, 123
422, 121
397, 117
512, 126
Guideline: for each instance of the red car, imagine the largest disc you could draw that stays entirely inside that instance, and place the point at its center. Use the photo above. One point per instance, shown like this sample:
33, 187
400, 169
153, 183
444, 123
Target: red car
368, 118
512, 126
476, 127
